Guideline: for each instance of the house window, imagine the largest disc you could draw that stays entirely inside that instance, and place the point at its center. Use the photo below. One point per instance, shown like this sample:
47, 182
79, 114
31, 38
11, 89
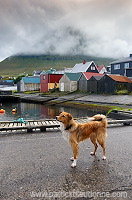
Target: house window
117, 66
44, 77
92, 68
126, 65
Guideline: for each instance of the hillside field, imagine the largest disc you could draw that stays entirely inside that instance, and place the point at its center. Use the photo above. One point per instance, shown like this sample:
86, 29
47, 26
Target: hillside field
15, 65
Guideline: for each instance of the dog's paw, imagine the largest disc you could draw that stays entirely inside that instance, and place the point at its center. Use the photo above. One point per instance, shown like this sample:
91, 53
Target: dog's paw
72, 158
74, 164
104, 158
92, 154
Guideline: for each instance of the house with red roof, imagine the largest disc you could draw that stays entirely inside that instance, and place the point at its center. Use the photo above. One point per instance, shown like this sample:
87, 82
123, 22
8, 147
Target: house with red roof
83, 81
102, 69
112, 83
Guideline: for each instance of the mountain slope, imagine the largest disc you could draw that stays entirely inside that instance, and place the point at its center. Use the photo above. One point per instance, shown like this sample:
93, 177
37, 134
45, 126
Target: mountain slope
15, 65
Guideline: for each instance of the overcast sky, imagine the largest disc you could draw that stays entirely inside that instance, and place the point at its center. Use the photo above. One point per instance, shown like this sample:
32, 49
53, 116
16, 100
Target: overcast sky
91, 27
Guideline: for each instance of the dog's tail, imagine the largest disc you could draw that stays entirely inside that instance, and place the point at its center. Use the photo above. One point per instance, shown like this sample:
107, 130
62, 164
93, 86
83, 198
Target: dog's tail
101, 118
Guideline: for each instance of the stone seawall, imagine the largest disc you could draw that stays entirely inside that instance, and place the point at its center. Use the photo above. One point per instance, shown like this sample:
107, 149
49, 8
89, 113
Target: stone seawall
9, 98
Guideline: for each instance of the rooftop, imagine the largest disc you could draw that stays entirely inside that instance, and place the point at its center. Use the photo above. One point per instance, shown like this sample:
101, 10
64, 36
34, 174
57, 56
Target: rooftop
123, 60
120, 78
98, 77
81, 67
100, 67
88, 75
31, 79
73, 76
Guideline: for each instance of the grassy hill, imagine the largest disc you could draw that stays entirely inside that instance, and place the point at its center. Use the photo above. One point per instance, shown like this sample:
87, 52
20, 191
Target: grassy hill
14, 65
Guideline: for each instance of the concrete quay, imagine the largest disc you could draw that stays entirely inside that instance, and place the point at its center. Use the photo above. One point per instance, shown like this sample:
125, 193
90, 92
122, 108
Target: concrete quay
119, 100
37, 166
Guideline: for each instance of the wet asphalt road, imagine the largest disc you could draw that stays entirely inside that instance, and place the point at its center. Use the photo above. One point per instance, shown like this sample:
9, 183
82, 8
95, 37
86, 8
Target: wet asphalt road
37, 166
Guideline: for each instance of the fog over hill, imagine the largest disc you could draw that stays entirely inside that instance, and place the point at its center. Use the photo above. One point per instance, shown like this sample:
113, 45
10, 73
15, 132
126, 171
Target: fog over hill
99, 28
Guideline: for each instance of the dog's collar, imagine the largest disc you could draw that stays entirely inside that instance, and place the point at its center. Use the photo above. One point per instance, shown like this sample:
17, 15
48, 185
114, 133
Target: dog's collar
68, 127
99, 119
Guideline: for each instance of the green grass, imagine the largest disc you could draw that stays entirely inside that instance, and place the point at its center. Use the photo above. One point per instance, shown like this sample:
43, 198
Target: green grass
15, 65
31, 92
122, 92
117, 108
106, 108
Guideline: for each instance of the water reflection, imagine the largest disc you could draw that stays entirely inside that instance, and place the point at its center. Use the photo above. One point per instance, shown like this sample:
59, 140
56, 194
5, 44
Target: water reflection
29, 111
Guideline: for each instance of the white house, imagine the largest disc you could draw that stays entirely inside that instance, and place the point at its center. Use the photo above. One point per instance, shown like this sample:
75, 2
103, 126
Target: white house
85, 67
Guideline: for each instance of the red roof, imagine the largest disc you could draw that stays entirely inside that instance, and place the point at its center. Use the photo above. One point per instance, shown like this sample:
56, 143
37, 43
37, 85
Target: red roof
88, 75
120, 78
100, 67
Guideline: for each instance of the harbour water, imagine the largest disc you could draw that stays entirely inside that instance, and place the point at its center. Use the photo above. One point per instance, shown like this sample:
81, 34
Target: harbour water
31, 111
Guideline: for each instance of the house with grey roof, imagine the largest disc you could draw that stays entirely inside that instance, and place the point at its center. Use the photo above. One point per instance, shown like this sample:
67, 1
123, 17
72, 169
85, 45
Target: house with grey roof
38, 73
68, 82
63, 71
122, 66
93, 82
85, 67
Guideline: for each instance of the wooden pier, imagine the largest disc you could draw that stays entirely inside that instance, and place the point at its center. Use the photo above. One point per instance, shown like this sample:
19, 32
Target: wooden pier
42, 125
30, 125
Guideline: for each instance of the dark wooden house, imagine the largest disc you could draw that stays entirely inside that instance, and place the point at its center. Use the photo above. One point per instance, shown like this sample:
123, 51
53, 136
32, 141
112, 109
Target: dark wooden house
122, 66
83, 81
92, 84
111, 83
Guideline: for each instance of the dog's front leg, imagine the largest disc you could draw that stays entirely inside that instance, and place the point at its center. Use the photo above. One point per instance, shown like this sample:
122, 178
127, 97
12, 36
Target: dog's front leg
75, 148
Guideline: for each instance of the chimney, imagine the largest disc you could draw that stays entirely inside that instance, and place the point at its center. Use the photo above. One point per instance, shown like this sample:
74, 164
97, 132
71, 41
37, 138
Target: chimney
84, 61
130, 55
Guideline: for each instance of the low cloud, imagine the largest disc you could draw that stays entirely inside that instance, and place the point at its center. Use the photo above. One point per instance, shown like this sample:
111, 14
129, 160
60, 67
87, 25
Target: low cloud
90, 27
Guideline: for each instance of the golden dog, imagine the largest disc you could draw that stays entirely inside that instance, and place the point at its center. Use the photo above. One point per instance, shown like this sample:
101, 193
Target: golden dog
75, 133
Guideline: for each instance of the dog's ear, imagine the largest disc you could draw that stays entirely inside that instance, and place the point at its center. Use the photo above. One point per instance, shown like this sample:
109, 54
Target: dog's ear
69, 116
60, 112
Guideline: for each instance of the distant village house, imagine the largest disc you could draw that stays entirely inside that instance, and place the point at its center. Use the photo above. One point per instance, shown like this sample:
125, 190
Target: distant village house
85, 67
49, 81
68, 82
30, 83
